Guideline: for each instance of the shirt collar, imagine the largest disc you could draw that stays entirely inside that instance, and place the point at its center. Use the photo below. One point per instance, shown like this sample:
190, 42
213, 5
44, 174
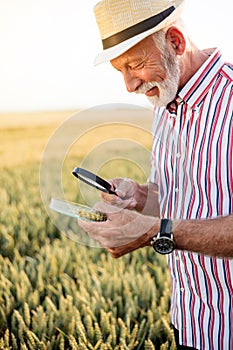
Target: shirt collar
198, 86
173, 105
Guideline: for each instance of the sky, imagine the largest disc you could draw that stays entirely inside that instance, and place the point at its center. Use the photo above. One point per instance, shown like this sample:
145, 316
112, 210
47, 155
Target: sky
48, 48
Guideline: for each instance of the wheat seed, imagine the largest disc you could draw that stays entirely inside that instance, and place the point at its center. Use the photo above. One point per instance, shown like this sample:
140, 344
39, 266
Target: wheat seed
92, 215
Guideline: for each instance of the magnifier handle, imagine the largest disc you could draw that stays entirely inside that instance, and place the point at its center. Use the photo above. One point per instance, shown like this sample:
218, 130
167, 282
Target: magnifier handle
106, 186
112, 192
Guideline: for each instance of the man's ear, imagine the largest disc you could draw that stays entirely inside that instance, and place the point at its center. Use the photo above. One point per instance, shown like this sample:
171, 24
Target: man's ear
176, 40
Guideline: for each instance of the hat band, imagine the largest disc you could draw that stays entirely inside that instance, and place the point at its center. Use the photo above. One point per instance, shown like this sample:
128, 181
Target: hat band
136, 29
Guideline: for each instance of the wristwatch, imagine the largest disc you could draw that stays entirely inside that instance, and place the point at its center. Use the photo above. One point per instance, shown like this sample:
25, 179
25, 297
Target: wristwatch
163, 243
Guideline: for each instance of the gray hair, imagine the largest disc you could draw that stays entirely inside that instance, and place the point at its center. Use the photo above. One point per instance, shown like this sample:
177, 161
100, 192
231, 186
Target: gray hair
160, 36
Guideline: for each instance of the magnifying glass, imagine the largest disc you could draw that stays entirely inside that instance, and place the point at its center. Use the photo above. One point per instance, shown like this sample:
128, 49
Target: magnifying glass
93, 180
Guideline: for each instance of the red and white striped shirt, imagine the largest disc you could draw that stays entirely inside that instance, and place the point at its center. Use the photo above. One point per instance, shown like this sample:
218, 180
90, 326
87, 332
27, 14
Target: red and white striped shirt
192, 163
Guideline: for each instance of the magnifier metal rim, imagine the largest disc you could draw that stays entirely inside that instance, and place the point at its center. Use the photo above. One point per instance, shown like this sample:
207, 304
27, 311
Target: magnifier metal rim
99, 183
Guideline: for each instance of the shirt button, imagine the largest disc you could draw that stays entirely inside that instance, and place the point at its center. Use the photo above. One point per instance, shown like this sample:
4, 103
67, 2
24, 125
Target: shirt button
182, 290
176, 189
196, 111
178, 155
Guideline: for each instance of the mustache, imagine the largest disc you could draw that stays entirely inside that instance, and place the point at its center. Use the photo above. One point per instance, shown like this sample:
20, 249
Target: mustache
146, 87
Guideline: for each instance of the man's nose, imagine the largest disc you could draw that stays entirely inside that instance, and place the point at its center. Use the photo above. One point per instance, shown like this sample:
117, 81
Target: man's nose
132, 82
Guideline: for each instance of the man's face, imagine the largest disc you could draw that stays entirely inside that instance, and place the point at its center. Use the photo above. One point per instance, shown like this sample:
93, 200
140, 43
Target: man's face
151, 71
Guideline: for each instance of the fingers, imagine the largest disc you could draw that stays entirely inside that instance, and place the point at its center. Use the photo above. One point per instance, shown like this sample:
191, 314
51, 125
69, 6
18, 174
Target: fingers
106, 208
119, 202
117, 252
124, 230
125, 189
110, 198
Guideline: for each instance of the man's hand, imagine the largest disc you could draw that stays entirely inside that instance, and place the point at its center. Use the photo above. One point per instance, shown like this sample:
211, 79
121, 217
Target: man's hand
131, 195
126, 191
124, 230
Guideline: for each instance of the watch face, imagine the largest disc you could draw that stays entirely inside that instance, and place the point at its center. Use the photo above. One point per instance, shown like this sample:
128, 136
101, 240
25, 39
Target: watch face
164, 245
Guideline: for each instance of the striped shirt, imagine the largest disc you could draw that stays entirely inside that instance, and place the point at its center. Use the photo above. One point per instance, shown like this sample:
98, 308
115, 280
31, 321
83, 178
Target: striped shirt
192, 164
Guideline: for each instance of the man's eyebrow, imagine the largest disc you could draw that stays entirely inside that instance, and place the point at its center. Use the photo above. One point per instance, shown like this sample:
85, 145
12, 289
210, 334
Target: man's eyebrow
137, 59
130, 60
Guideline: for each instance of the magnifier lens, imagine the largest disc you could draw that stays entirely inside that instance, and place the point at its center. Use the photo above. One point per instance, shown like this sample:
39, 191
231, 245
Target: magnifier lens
92, 183
93, 180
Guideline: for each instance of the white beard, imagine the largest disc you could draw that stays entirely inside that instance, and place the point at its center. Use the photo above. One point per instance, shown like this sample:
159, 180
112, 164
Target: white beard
168, 87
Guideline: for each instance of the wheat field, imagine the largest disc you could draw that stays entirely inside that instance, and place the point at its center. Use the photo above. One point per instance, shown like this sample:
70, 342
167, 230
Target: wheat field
57, 293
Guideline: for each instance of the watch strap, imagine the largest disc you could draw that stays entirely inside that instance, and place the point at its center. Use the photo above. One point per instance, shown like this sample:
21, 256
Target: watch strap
166, 228
163, 243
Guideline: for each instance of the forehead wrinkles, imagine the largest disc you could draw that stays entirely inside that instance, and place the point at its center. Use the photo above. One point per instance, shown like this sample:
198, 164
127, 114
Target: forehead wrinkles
132, 58
138, 52
128, 58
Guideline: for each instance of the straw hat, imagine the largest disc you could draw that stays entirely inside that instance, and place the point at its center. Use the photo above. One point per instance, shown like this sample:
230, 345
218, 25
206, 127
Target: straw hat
123, 23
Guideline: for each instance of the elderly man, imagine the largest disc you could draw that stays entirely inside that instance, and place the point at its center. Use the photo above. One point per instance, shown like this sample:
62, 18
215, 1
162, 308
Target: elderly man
185, 209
